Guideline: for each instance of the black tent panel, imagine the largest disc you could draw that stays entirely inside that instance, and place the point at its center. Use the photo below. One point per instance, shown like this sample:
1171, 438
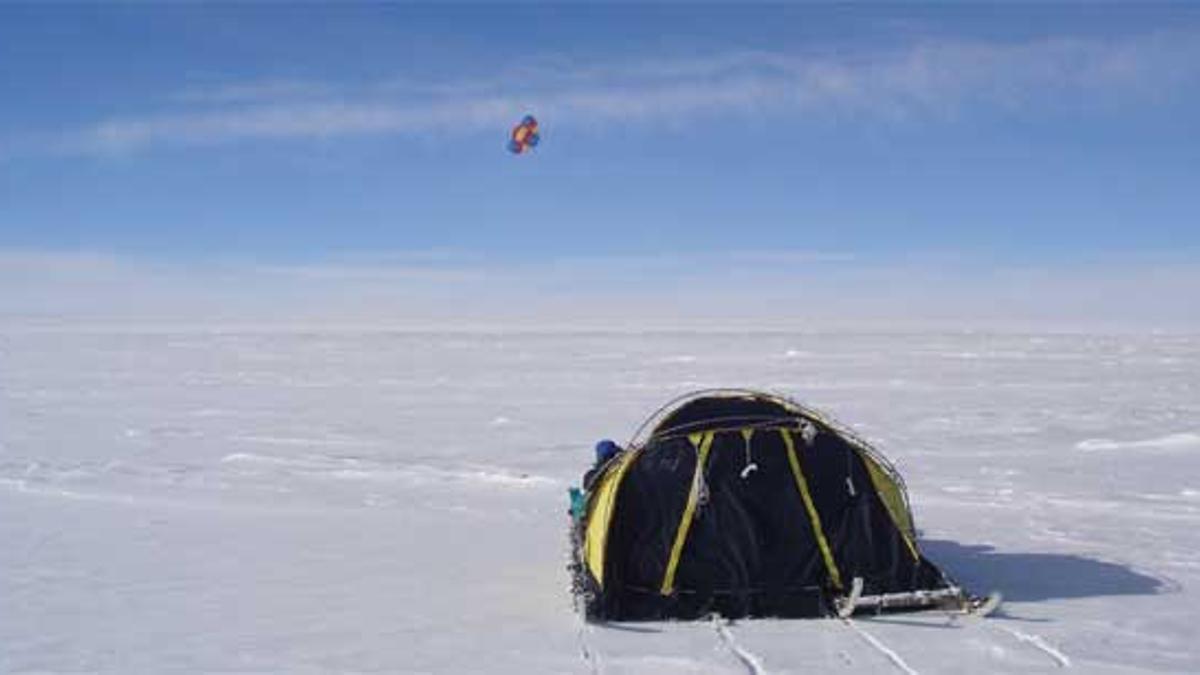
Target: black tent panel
780, 515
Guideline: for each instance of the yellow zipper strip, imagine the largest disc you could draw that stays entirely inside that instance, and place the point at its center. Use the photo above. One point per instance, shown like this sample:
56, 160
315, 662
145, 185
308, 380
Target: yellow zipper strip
814, 518
702, 443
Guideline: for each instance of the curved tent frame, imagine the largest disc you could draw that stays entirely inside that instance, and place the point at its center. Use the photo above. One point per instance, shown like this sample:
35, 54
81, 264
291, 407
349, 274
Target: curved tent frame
645, 547
650, 428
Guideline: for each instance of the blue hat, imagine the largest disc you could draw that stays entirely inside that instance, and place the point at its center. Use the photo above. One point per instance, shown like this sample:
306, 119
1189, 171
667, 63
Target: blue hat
606, 450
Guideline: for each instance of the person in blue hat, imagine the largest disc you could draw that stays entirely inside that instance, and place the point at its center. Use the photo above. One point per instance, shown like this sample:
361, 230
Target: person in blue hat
605, 451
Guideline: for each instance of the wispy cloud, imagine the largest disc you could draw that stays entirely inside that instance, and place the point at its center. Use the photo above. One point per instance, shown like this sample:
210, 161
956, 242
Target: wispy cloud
281, 121
251, 92
931, 79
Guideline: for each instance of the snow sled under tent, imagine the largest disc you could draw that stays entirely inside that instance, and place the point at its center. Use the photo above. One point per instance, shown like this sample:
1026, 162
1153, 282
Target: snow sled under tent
747, 504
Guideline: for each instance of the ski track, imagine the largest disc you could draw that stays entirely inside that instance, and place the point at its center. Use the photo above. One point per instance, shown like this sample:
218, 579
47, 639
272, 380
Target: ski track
881, 648
749, 659
586, 649
1038, 642
588, 653
1035, 642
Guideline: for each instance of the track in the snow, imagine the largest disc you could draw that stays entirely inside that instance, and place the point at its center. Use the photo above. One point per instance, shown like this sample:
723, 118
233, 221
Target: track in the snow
1040, 644
880, 647
748, 658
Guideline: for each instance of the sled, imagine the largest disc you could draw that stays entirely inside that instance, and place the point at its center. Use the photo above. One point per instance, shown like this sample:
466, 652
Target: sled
951, 598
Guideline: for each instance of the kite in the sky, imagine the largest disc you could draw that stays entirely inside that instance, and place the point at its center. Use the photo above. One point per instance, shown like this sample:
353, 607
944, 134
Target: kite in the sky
524, 136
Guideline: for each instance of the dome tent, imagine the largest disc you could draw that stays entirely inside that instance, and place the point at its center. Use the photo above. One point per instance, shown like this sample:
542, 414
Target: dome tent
749, 504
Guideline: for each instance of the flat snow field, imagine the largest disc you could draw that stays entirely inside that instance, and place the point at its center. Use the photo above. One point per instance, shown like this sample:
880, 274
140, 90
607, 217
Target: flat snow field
296, 500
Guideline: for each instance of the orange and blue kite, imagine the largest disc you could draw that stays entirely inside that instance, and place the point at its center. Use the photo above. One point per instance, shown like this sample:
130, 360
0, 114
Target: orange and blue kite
524, 136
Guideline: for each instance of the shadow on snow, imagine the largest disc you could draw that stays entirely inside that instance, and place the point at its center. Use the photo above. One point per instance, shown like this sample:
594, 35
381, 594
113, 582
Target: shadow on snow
1032, 577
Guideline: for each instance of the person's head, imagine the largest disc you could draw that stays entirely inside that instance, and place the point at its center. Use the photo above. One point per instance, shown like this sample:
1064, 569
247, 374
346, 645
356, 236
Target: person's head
606, 450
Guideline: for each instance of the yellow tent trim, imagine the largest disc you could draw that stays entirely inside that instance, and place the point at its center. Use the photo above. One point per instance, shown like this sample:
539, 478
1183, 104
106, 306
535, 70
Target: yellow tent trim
814, 518
603, 504
702, 443
892, 500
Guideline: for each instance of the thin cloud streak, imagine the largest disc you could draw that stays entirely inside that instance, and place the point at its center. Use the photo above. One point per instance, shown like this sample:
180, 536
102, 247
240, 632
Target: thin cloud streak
926, 80
249, 92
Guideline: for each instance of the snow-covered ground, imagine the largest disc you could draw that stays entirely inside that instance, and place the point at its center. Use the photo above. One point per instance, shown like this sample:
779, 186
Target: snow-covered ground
344, 499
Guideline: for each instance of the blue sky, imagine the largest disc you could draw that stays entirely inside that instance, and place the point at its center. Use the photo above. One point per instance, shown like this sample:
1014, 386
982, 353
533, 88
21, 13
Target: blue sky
964, 144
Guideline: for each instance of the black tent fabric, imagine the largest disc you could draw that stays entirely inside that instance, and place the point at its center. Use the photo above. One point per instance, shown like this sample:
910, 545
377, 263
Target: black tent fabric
744, 504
